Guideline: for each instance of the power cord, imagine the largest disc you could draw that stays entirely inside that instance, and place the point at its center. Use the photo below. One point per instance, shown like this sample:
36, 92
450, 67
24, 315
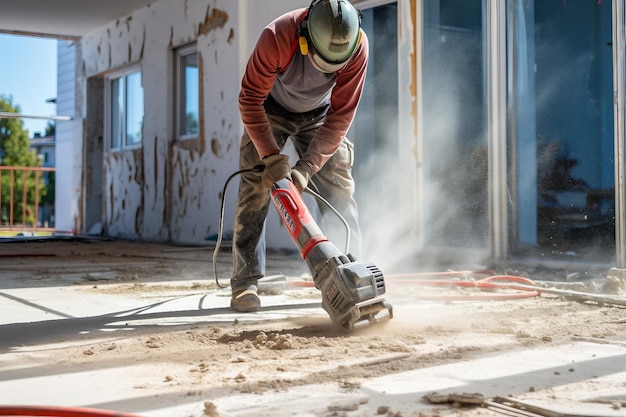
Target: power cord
258, 169
334, 210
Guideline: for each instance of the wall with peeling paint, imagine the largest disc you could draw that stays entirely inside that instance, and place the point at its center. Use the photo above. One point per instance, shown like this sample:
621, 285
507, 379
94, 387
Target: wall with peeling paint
198, 168
171, 190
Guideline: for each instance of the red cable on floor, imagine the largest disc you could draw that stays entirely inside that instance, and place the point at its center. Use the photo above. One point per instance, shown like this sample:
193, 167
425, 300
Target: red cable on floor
490, 282
493, 282
57, 411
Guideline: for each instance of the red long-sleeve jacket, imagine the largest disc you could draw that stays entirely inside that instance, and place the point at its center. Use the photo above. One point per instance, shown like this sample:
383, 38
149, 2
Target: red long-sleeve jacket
271, 56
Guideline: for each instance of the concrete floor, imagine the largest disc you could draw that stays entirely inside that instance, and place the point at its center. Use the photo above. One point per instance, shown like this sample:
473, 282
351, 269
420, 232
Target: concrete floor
62, 300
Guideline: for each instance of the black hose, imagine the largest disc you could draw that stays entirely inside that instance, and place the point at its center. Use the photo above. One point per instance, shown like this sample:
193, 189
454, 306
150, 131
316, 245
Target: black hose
334, 210
256, 169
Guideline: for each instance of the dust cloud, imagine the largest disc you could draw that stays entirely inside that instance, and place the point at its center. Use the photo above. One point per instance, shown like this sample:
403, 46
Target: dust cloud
414, 197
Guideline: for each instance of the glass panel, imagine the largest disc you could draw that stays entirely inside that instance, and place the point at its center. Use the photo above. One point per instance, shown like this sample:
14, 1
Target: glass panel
454, 123
375, 128
561, 128
117, 112
134, 109
375, 136
189, 99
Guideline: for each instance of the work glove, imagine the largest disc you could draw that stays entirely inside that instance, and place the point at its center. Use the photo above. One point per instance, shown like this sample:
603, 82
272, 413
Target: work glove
276, 168
301, 174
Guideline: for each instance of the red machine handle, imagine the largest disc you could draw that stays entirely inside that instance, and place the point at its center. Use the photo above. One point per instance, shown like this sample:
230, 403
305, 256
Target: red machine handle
296, 217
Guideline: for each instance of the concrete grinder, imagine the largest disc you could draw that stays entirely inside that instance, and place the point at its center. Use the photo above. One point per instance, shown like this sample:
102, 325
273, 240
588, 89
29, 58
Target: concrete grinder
350, 289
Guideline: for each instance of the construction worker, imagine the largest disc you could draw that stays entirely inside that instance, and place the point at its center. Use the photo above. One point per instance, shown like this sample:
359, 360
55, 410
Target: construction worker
303, 81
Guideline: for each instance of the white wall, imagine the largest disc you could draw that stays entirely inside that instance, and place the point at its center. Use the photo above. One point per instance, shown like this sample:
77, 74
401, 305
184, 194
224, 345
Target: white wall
170, 190
68, 142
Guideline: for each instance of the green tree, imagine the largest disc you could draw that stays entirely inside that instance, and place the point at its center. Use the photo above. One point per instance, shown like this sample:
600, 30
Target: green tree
15, 152
50, 129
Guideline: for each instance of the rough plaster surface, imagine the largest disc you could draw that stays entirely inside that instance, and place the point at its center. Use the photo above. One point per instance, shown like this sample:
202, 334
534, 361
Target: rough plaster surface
169, 189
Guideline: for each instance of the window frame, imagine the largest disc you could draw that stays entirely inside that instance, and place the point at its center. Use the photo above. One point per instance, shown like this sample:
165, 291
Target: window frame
180, 92
121, 76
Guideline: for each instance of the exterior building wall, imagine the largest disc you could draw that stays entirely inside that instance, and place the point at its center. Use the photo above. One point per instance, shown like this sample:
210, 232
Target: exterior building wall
44, 148
166, 189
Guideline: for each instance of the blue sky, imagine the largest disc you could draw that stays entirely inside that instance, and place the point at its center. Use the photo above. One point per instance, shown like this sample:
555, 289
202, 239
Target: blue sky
29, 74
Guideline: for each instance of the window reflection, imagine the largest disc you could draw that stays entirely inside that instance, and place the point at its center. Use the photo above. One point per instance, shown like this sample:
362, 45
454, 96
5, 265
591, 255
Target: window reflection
187, 93
134, 109
117, 112
562, 128
454, 123
126, 111
190, 121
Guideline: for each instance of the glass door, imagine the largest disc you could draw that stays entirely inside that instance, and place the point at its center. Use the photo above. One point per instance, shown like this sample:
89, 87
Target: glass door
454, 124
375, 133
560, 103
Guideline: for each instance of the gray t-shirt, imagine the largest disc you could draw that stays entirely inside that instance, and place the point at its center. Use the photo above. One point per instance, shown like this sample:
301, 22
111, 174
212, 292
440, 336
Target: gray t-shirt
301, 87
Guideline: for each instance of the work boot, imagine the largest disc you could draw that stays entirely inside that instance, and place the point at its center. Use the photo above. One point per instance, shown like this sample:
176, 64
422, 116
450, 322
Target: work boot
246, 300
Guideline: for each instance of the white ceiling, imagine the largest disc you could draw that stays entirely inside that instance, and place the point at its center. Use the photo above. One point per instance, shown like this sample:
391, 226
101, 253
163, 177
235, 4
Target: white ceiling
66, 19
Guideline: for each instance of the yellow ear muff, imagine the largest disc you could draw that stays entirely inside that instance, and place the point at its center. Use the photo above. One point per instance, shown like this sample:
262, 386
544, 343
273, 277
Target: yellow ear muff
304, 45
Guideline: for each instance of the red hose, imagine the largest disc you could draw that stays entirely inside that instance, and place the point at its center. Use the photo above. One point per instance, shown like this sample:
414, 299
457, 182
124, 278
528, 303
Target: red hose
489, 282
56, 411
445, 274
